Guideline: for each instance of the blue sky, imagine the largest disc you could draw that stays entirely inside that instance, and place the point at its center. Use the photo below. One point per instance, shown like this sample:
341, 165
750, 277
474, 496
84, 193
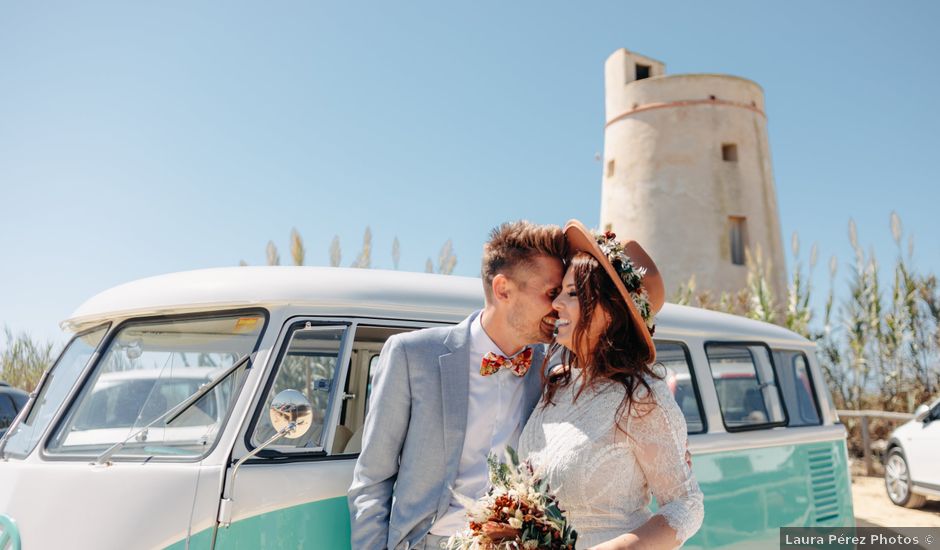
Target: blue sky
139, 138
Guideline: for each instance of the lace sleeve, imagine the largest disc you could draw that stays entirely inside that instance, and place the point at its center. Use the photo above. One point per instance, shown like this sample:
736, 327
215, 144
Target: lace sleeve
657, 431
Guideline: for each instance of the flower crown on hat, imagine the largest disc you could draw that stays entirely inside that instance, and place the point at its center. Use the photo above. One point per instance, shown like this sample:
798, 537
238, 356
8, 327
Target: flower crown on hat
631, 275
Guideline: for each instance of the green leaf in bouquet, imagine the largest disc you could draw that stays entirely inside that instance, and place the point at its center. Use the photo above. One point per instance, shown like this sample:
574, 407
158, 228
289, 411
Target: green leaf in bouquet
499, 472
554, 513
513, 457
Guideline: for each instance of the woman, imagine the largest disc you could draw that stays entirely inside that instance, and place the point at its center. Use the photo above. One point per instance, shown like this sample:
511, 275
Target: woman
608, 432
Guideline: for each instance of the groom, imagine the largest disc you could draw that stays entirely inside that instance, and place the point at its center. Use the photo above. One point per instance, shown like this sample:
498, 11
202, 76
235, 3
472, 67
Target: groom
443, 398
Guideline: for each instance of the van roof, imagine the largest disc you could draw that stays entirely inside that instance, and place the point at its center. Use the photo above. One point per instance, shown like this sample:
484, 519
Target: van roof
353, 293
333, 290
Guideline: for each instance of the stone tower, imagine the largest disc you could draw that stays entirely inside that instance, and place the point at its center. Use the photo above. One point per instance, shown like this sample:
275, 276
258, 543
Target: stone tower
687, 173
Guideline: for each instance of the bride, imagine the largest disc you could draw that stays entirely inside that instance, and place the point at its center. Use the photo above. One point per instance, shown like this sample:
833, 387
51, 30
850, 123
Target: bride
608, 433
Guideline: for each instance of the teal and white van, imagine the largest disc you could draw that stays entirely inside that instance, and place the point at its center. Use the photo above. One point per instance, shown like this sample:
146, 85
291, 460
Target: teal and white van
174, 384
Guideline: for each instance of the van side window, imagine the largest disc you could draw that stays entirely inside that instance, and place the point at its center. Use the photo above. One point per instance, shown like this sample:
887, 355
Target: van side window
681, 381
308, 364
365, 356
746, 384
797, 385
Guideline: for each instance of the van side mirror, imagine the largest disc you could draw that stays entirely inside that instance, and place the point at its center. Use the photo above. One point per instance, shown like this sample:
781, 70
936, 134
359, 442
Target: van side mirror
290, 414
920, 413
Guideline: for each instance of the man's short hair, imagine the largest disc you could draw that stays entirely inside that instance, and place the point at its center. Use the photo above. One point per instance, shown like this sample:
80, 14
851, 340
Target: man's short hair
517, 244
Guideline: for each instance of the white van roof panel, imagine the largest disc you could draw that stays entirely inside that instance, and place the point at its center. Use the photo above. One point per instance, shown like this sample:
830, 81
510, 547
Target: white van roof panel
346, 290
684, 320
357, 292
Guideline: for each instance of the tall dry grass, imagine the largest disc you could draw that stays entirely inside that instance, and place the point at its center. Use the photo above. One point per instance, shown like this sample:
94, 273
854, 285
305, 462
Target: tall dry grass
879, 347
24, 359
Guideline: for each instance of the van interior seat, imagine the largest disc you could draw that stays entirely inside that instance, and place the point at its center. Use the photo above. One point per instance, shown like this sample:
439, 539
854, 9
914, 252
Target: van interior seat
340, 439
355, 443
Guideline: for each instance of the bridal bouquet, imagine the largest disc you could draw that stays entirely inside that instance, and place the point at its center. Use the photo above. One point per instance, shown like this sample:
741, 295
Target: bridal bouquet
518, 512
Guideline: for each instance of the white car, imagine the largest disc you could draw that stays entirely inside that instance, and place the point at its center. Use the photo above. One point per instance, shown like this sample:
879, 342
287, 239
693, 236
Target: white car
911, 469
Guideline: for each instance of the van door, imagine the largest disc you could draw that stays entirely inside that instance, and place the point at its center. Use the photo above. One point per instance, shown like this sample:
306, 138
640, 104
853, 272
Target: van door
293, 493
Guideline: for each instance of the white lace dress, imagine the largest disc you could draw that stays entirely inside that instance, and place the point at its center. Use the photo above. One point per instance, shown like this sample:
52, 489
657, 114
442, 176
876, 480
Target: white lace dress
602, 477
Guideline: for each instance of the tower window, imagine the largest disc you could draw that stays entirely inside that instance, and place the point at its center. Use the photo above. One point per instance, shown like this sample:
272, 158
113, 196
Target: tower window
642, 71
738, 238
610, 168
729, 152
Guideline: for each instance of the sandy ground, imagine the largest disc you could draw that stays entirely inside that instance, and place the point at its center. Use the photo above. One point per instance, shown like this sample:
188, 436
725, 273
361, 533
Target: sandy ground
873, 508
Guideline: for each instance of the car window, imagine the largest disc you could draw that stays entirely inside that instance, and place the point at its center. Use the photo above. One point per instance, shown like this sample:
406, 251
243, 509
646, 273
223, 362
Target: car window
20, 398
796, 383
369, 340
680, 378
748, 395
7, 411
147, 369
308, 364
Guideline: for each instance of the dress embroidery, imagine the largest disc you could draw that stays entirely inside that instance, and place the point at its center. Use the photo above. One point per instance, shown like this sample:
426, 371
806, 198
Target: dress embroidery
603, 477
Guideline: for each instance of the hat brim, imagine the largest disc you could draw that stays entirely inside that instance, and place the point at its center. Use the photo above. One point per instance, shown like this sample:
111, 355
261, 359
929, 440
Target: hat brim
580, 239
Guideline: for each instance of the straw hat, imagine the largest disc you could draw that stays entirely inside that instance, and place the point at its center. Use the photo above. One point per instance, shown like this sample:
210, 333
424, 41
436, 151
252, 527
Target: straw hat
634, 274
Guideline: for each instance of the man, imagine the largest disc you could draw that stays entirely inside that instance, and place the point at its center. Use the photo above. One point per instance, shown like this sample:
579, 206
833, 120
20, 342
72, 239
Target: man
444, 398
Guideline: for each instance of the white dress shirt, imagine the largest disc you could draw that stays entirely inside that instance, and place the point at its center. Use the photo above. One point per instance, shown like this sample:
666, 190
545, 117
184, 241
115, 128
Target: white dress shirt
494, 421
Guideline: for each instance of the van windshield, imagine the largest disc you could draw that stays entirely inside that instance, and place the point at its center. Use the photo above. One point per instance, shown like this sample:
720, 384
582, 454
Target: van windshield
147, 369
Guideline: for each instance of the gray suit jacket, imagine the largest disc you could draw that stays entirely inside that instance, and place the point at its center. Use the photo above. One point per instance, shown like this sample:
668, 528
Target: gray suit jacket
414, 433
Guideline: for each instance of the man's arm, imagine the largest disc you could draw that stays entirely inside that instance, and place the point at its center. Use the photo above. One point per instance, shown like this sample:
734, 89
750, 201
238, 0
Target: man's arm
386, 425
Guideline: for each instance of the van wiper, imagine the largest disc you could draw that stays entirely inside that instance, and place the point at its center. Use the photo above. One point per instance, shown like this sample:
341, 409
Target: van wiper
174, 413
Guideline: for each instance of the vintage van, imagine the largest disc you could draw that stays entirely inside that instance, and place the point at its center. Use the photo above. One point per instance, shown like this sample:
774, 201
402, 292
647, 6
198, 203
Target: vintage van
173, 384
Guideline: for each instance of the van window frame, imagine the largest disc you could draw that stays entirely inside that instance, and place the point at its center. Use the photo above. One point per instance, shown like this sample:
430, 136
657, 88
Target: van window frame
105, 344
812, 384
695, 386
283, 343
271, 456
773, 367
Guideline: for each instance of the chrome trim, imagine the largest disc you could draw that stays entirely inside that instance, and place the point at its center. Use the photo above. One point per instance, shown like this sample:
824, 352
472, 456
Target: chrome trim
757, 439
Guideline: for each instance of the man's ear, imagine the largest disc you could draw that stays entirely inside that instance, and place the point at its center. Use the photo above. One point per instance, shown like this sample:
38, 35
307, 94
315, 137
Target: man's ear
501, 287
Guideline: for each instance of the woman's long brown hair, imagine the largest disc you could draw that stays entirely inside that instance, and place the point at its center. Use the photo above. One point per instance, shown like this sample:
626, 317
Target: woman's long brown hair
618, 355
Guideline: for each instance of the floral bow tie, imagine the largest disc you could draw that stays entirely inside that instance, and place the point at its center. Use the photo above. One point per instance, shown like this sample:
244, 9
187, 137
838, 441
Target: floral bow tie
519, 364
